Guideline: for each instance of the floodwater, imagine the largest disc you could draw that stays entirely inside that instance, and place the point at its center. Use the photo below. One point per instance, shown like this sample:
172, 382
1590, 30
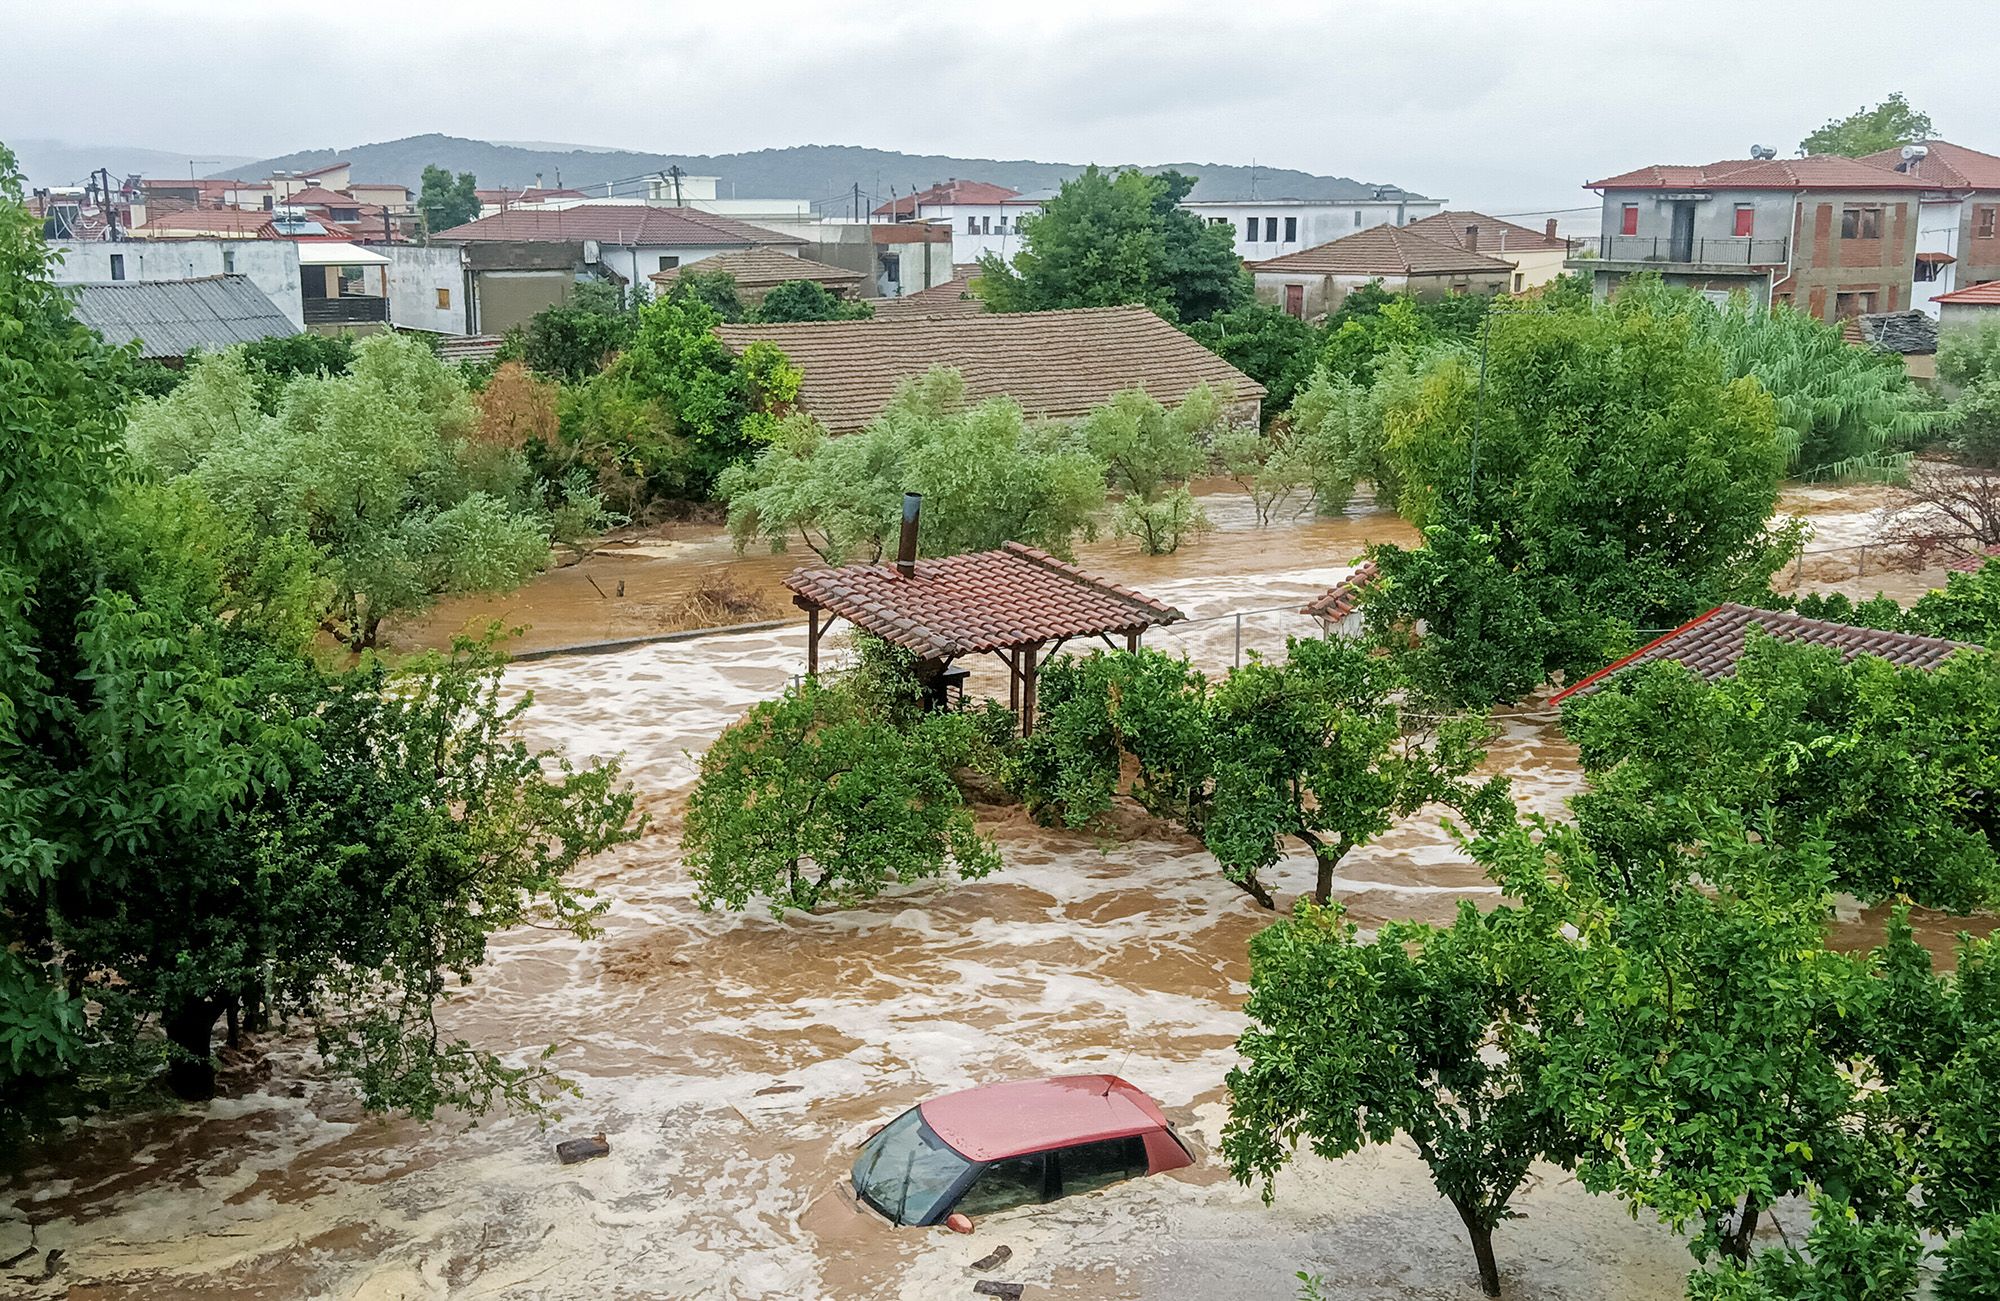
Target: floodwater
733, 1061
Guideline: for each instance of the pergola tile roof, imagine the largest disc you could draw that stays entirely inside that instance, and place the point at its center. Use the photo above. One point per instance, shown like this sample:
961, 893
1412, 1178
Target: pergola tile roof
978, 602
1711, 645
1344, 597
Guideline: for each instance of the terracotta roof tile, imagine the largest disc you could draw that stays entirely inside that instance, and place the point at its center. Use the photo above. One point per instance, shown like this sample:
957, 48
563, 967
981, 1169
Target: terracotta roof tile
1382, 251
621, 223
1946, 166
1711, 644
1819, 172
982, 601
761, 268
954, 191
314, 196
1058, 365
1344, 597
1973, 563
1986, 295
952, 298
1495, 236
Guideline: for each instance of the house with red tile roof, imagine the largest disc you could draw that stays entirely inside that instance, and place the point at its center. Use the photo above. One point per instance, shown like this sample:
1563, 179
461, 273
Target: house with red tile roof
1313, 282
1537, 255
627, 243
1835, 237
1958, 221
983, 218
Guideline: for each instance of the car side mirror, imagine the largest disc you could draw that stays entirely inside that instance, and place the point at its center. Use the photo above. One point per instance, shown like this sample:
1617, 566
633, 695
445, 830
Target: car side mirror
958, 1223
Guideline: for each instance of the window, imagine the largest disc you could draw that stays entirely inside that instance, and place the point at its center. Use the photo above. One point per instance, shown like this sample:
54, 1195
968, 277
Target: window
972, 225
1860, 222
1090, 1166
668, 261
1519, 277
1984, 218
1746, 220
1628, 219
986, 225
444, 300
1249, 230
117, 266
229, 261
1270, 230
1003, 1185
1291, 230
1357, 219
906, 1171
1925, 272
1857, 303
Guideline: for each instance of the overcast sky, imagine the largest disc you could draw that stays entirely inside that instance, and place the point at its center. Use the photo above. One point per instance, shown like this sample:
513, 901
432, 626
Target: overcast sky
1496, 103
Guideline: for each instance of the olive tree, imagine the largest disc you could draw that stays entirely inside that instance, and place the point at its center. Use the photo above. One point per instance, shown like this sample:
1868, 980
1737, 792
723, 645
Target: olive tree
1418, 1031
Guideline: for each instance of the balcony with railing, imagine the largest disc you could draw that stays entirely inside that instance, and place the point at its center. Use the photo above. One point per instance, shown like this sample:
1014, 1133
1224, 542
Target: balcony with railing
349, 309
1707, 253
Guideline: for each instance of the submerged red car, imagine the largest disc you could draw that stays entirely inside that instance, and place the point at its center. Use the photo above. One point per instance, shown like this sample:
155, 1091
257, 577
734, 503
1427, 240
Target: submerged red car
990, 1149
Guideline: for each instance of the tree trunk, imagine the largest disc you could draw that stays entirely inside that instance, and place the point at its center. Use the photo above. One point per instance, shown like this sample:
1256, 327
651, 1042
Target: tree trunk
191, 1070
1323, 891
1481, 1234
1737, 1243
1251, 886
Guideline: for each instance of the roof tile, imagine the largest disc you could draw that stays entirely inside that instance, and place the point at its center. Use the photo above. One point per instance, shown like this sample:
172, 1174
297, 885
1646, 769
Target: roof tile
622, 223
1383, 251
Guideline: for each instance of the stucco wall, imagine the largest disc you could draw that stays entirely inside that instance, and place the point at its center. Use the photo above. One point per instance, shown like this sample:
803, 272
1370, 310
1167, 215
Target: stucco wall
270, 264
416, 275
1318, 222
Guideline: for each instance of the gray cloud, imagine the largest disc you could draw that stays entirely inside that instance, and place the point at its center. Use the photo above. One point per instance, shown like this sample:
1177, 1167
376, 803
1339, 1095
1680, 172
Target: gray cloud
1499, 102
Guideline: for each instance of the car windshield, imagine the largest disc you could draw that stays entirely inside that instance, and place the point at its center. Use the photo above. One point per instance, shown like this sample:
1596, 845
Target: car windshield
906, 1171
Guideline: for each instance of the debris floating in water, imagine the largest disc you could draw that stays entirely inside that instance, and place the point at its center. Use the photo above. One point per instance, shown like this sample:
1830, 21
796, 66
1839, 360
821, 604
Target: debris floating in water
1009, 1291
572, 1150
995, 1260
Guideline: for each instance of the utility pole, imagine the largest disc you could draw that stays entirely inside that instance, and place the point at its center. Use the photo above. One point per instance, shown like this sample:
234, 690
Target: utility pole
110, 209
674, 171
857, 201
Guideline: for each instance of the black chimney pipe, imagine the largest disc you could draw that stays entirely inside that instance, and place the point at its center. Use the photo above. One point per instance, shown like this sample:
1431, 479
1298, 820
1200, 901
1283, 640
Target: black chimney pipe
906, 549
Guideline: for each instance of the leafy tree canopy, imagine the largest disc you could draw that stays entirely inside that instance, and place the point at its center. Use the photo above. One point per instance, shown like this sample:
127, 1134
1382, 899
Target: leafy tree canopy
446, 201
1106, 240
1273, 347
988, 476
807, 300
1868, 130
575, 339
1151, 455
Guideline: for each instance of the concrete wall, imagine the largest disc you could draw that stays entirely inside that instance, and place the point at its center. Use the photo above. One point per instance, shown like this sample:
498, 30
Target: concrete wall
1978, 256
1824, 265
417, 274
875, 249
270, 264
1316, 222
1714, 219
638, 263
980, 228
1956, 316
1324, 293
1940, 226
1532, 267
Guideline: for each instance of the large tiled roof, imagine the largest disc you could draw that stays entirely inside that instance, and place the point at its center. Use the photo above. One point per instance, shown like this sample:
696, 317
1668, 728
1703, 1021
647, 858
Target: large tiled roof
1382, 251
1711, 644
1986, 295
171, 318
1818, 172
240, 223
1946, 166
761, 268
982, 601
954, 191
1344, 597
1495, 236
315, 196
617, 223
1058, 364
952, 298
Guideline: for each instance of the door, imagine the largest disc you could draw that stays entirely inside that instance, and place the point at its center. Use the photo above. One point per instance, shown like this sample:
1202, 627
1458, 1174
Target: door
1682, 249
1295, 301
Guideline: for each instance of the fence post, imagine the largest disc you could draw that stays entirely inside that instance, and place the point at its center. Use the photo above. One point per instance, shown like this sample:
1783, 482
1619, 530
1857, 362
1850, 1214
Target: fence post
1239, 640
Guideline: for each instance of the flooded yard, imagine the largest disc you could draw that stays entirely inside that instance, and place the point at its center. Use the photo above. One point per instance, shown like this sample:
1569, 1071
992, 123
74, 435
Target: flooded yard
733, 1062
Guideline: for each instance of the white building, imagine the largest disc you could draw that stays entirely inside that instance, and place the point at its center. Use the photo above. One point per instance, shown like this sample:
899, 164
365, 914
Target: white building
982, 218
1268, 228
1958, 217
270, 264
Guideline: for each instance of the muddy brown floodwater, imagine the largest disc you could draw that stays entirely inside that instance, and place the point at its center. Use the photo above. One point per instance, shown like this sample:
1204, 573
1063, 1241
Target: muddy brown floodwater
735, 1061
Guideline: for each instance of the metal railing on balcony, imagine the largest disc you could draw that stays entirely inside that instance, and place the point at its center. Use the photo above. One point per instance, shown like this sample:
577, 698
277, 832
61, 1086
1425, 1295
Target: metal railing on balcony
351, 310
1698, 250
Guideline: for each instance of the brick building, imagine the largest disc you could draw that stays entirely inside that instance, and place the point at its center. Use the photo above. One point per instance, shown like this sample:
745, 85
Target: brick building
1835, 237
1958, 234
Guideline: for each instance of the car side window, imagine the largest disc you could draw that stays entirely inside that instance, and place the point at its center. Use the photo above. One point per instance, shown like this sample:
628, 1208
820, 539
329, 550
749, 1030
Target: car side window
1089, 1166
1003, 1185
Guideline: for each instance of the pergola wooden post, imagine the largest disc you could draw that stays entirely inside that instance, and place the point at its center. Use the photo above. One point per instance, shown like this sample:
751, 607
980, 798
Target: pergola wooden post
1018, 604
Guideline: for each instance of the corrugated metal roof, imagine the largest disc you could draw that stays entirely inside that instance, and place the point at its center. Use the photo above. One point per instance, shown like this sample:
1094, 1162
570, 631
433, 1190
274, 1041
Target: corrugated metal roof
171, 318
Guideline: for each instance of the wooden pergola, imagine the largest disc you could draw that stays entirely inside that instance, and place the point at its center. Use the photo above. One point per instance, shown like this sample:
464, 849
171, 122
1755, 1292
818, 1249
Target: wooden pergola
1017, 603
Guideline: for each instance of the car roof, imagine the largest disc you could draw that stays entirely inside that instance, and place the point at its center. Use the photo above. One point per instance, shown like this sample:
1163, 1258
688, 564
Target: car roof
1022, 1116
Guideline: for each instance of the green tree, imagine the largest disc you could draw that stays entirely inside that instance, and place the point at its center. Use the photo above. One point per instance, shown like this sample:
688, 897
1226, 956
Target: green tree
1869, 130
1844, 1260
1314, 750
274, 363
719, 404
373, 469
1889, 766
446, 201
1416, 1032
807, 300
1151, 455
575, 339
1274, 348
1972, 1263
988, 476
811, 800
714, 289
1107, 240
1617, 469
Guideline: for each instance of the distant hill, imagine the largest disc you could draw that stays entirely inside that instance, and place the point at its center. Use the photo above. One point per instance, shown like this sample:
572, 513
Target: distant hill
825, 174
57, 162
